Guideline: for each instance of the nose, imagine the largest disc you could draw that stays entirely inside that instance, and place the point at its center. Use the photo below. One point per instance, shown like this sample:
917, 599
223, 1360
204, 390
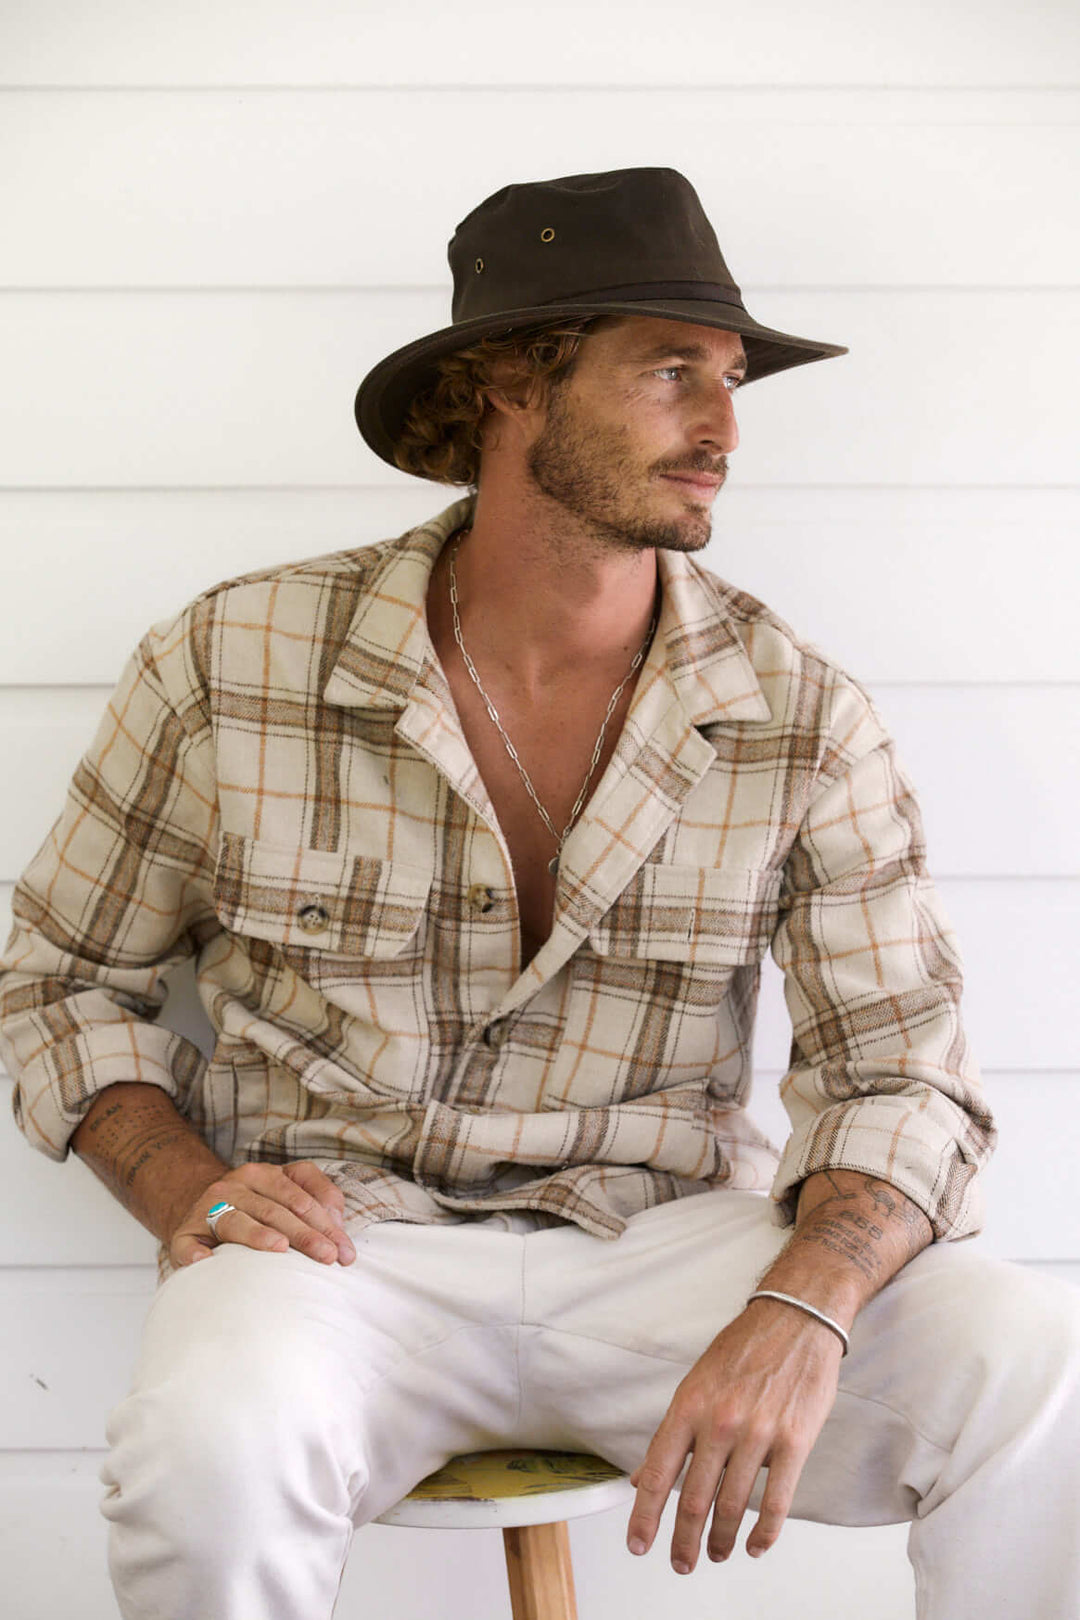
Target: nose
717, 425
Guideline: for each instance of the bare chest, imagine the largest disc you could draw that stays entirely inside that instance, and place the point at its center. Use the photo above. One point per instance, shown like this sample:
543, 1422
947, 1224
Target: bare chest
556, 743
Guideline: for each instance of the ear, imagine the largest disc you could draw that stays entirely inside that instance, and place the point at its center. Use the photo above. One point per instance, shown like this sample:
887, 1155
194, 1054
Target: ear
507, 401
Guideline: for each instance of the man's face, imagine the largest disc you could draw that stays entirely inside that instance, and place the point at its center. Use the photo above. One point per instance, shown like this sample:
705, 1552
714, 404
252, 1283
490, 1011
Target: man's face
647, 399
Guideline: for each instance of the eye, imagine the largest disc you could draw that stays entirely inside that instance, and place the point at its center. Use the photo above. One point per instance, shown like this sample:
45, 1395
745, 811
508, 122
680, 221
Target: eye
733, 381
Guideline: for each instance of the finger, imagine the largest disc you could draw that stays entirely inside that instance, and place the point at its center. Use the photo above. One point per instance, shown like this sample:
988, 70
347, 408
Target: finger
184, 1251
655, 1478
784, 1472
695, 1504
740, 1475
267, 1214
237, 1226
315, 1181
328, 1205
274, 1184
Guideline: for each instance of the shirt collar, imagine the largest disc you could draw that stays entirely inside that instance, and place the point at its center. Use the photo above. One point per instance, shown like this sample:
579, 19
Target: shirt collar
388, 648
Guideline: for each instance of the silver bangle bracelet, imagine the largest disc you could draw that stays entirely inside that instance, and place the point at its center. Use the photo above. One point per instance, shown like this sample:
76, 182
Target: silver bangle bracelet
811, 1310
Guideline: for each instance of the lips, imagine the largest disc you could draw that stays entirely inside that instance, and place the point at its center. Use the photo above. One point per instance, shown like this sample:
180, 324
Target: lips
702, 482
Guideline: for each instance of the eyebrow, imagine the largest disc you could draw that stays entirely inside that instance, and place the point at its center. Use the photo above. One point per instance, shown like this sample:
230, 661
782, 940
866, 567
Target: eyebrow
688, 351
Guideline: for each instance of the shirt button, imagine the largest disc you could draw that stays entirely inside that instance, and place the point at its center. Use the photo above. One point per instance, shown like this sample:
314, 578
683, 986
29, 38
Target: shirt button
313, 919
481, 898
495, 1036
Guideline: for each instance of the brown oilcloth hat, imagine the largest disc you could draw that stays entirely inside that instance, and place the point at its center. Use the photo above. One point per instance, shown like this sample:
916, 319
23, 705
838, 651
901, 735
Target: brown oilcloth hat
625, 242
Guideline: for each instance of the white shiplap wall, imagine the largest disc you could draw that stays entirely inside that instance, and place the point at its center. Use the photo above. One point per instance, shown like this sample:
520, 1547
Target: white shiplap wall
217, 217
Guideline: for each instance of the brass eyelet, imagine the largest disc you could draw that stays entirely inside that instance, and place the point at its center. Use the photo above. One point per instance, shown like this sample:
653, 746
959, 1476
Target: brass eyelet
547, 235
479, 266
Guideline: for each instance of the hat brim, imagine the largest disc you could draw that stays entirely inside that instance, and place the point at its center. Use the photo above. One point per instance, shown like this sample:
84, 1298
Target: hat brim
386, 393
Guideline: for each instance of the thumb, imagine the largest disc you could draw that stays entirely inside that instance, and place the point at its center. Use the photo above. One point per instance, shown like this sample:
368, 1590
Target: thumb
188, 1249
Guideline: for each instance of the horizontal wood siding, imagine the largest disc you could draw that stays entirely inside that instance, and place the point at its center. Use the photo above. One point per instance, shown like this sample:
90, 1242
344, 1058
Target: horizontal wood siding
217, 217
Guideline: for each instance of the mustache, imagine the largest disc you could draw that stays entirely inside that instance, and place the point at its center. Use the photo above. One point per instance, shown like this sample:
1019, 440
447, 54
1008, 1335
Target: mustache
708, 469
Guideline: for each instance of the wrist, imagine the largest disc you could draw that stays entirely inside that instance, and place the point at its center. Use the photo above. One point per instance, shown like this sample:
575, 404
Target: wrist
803, 1273
188, 1180
811, 1313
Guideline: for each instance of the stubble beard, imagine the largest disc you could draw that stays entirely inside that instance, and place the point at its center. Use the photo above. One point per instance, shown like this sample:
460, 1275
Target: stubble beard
592, 475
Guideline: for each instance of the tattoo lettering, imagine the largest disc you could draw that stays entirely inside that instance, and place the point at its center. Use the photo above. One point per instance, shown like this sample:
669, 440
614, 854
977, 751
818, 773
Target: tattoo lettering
843, 1234
124, 1137
109, 1113
144, 1148
866, 1238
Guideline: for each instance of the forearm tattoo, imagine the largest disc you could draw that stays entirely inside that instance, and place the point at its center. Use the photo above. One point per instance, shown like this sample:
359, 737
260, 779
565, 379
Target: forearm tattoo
867, 1236
123, 1139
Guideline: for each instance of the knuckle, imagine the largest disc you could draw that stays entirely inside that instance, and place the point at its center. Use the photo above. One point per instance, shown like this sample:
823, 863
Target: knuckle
301, 1171
798, 1438
727, 1511
695, 1504
652, 1478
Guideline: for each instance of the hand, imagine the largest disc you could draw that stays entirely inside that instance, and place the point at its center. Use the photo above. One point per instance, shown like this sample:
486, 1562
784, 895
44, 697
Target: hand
277, 1207
758, 1396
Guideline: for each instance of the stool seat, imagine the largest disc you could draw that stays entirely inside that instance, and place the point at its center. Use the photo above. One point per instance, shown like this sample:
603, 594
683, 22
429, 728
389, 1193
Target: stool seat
496, 1489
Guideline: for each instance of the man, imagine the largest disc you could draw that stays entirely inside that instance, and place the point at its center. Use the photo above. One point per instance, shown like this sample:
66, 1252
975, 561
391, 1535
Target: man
479, 837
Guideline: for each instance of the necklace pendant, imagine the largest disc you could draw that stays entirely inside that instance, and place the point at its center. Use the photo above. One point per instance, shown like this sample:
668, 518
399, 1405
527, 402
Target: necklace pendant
553, 866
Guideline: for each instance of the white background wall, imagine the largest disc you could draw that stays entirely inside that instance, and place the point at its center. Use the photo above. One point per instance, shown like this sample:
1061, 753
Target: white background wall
217, 217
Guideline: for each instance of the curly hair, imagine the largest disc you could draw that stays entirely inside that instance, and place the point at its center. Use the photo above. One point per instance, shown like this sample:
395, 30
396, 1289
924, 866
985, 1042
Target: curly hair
442, 435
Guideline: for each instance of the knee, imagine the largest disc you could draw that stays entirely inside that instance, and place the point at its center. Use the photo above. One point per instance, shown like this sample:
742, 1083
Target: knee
206, 1451
999, 1325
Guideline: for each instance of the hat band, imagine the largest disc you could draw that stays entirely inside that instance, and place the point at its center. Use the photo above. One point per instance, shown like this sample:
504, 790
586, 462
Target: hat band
713, 292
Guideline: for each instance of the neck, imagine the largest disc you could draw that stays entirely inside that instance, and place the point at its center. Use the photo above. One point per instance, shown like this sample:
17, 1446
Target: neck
541, 612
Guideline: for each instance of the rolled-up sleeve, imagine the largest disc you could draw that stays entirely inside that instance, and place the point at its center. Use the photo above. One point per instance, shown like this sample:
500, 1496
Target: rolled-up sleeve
881, 1076
115, 897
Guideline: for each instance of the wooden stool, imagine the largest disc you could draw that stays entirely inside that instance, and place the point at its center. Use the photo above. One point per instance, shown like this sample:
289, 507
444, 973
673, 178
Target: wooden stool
529, 1495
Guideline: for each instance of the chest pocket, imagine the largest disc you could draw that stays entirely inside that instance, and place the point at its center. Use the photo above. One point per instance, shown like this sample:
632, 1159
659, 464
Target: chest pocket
692, 914
344, 905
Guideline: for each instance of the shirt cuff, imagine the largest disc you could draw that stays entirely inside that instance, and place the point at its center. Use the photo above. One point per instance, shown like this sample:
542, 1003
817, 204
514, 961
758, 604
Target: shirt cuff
55, 1091
897, 1139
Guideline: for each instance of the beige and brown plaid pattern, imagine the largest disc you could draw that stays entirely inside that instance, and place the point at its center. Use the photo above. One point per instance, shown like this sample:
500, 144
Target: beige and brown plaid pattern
280, 787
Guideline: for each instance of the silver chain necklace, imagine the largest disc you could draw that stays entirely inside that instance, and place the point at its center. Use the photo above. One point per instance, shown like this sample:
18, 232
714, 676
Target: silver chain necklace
553, 865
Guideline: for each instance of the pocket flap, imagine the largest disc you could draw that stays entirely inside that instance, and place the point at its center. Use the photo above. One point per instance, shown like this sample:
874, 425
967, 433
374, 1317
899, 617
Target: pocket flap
692, 914
346, 905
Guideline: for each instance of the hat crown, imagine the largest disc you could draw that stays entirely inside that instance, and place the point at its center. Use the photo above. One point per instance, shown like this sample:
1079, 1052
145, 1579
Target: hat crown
581, 236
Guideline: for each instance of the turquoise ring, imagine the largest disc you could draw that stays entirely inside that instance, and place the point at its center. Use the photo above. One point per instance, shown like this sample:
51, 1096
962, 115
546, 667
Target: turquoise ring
214, 1214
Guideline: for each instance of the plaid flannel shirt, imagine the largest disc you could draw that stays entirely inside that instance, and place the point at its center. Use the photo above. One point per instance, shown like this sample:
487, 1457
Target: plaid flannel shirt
280, 787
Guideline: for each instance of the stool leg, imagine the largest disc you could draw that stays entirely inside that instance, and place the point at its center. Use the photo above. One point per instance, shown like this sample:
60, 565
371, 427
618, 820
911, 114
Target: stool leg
540, 1573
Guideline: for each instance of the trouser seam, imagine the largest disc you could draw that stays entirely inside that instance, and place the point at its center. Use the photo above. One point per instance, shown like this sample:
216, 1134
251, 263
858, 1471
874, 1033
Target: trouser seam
874, 1400
437, 1344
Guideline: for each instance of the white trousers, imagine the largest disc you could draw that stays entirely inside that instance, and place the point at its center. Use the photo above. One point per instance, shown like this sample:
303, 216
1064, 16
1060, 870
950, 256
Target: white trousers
279, 1404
